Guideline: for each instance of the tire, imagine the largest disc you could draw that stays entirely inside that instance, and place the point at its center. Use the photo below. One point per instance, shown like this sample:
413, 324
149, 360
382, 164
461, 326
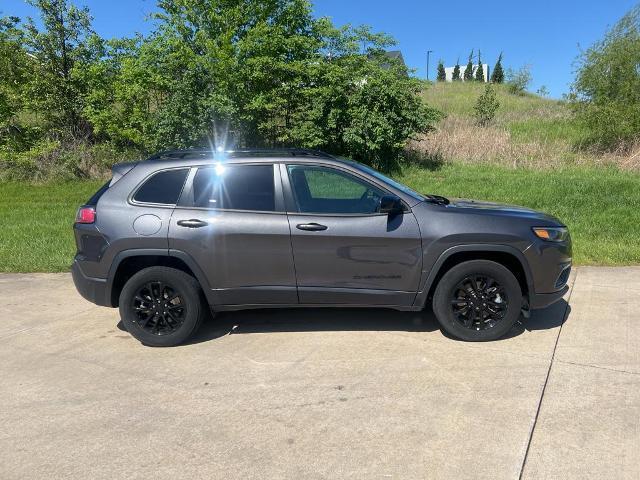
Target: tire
477, 301
162, 307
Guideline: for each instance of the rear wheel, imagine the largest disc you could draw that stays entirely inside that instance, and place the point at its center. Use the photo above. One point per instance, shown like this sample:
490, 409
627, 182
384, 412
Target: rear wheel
162, 306
478, 300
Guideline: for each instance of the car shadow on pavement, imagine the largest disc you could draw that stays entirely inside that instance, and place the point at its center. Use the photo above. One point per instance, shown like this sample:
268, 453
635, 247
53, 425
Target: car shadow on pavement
353, 319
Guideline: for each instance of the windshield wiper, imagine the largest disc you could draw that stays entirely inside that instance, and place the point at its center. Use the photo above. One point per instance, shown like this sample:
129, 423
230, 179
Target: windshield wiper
437, 199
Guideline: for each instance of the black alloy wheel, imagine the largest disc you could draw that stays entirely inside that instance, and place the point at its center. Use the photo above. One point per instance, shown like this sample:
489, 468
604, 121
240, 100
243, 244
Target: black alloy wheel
162, 306
479, 302
159, 308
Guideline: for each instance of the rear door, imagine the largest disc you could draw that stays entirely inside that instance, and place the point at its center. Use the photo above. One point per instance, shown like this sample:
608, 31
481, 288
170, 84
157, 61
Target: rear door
231, 220
346, 252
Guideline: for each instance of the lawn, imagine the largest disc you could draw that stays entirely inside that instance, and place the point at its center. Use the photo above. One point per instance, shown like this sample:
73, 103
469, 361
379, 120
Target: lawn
601, 207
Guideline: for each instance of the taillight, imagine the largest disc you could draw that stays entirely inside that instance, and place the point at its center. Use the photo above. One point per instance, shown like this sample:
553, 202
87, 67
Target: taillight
86, 215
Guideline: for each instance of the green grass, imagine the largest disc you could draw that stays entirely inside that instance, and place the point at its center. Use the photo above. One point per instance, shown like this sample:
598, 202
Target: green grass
545, 130
459, 98
36, 233
601, 207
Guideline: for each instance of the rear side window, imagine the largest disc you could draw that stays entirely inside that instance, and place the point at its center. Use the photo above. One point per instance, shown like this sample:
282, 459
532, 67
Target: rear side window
235, 187
163, 187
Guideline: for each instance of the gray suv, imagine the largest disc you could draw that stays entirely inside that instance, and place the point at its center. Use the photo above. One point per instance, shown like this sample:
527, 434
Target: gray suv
183, 233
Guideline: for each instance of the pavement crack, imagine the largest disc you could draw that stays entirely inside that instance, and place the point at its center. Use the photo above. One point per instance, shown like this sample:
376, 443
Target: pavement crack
546, 381
609, 369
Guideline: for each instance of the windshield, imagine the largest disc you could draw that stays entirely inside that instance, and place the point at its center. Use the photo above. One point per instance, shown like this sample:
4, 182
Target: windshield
389, 181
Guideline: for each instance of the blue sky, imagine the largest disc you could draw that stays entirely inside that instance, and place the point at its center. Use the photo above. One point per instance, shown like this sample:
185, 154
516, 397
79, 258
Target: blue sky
546, 35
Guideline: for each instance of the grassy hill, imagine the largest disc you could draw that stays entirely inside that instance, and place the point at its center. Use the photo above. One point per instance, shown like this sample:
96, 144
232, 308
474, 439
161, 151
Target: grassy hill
528, 130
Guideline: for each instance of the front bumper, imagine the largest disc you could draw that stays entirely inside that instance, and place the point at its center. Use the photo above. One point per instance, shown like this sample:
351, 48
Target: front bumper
93, 289
550, 266
542, 300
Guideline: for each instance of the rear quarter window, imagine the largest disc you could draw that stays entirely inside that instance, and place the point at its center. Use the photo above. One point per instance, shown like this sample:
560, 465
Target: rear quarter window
163, 187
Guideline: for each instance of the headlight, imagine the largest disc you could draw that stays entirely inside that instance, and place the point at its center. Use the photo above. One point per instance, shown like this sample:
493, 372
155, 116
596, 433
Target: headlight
552, 234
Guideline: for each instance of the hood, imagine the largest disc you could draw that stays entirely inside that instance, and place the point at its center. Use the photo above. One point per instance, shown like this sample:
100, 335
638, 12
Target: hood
492, 208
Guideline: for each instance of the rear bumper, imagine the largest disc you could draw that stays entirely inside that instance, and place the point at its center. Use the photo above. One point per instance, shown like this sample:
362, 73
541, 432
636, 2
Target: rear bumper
93, 289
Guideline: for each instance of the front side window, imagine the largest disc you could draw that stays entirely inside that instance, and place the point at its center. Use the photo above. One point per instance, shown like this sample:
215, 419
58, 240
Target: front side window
163, 187
235, 187
328, 190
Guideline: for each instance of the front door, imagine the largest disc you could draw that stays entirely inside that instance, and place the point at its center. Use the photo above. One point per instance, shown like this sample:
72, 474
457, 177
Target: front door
232, 222
345, 252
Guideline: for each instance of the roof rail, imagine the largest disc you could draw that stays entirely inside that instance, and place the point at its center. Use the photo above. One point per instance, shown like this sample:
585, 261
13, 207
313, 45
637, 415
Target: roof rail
251, 152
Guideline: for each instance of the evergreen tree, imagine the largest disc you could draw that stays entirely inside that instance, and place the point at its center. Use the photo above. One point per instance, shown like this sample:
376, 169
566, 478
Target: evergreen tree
442, 75
456, 72
479, 70
498, 74
468, 71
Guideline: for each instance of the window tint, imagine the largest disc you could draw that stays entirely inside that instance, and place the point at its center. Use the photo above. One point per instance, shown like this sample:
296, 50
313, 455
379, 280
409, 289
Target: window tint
235, 187
163, 187
327, 190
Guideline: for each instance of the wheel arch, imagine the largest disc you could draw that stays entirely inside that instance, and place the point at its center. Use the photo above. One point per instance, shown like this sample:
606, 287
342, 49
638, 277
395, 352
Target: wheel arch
508, 256
129, 262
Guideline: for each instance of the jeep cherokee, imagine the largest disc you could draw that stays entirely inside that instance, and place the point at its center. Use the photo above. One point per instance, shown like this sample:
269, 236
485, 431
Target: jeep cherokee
168, 238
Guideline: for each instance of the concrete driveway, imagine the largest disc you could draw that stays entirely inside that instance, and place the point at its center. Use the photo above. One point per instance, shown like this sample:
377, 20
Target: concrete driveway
321, 393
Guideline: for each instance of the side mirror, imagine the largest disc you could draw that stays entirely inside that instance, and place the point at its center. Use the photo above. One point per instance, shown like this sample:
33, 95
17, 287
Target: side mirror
391, 205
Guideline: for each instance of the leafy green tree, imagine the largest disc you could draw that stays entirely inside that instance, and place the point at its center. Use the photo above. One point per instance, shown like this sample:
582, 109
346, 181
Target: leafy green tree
456, 72
442, 75
606, 90
64, 42
486, 106
255, 73
468, 71
479, 70
14, 68
497, 76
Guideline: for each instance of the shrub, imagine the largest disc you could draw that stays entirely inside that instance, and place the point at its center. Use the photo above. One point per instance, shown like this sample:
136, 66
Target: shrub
606, 91
519, 80
486, 106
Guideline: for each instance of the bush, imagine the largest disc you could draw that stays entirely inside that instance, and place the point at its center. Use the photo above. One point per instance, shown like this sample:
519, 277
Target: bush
486, 106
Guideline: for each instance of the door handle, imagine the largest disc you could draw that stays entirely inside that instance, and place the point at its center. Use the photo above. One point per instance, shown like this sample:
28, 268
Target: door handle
311, 227
192, 223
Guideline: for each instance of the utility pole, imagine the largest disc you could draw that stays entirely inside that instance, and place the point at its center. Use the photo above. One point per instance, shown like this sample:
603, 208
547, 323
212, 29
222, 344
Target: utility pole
428, 55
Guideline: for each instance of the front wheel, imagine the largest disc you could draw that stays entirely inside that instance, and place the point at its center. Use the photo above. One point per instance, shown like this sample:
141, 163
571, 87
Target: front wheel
161, 306
477, 300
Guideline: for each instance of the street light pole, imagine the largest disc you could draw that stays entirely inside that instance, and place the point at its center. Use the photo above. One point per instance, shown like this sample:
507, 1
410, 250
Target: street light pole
428, 55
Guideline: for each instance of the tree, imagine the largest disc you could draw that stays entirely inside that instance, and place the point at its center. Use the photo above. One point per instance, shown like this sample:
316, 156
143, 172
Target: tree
208, 76
64, 42
486, 106
519, 80
442, 75
468, 71
497, 76
606, 91
456, 72
14, 68
479, 70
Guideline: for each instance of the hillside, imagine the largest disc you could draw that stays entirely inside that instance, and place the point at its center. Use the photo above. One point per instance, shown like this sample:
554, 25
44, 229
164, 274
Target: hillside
528, 130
